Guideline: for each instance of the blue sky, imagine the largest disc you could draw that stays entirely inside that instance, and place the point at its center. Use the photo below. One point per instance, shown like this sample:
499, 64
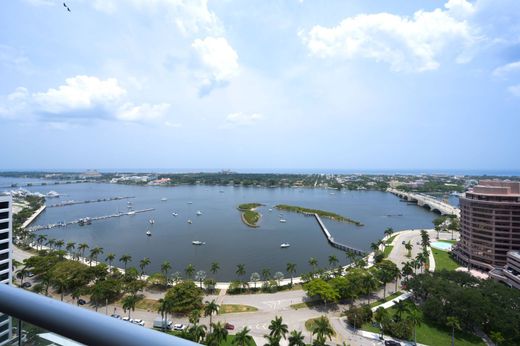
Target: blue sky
363, 84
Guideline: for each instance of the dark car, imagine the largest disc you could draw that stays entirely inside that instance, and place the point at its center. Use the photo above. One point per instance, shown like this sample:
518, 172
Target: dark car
229, 326
26, 285
392, 343
116, 316
81, 301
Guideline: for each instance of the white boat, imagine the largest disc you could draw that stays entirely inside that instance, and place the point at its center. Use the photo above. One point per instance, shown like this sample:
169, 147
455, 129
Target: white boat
283, 220
189, 221
199, 213
198, 242
164, 199
175, 214
151, 221
190, 202
270, 209
148, 233
285, 245
52, 194
131, 213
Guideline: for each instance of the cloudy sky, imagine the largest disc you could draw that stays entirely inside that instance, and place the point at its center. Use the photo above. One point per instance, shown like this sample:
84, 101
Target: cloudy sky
359, 84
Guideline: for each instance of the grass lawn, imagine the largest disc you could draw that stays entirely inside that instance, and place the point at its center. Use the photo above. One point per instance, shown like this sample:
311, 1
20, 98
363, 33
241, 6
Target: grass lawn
381, 301
443, 260
391, 239
229, 341
147, 304
388, 249
309, 324
306, 304
231, 308
432, 335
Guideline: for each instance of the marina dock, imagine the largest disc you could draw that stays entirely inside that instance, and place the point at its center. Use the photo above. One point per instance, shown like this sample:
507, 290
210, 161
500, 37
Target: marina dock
67, 203
90, 219
334, 243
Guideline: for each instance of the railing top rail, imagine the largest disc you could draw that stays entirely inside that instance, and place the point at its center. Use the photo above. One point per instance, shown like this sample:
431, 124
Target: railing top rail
79, 324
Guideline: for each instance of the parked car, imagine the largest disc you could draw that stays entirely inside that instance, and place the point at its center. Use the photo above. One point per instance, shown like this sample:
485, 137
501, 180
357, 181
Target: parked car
392, 343
126, 318
26, 285
229, 326
137, 321
403, 242
179, 326
81, 301
116, 316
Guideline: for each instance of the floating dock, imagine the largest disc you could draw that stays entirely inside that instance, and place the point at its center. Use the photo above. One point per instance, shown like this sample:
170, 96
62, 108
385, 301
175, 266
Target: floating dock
67, 203
96, 218
334, 243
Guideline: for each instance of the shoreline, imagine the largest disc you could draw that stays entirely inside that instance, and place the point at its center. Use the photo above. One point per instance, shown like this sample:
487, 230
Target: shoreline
34, 216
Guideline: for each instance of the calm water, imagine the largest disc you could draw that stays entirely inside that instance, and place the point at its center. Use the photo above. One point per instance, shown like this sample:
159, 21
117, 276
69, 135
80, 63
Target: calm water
228, 241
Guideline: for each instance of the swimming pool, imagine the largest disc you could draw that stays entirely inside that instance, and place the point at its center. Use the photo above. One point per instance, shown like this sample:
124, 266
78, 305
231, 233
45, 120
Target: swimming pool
441, 245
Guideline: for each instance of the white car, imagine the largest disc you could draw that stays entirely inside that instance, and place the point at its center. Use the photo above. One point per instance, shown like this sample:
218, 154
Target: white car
179, 326
137, 321
126, 318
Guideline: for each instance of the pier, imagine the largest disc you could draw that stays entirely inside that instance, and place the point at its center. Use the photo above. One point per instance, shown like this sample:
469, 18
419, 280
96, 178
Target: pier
89, 219
109, 199
334, 243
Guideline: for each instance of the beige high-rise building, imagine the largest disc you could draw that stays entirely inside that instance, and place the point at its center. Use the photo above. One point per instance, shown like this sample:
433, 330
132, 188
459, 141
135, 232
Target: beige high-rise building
5, 261
489, 224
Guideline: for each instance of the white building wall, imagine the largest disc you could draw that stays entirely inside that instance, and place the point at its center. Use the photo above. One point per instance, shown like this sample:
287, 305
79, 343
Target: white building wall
6, 221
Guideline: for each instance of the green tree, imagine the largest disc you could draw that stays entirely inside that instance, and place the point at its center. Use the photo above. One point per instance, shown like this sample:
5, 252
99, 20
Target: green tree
211, 308
369, 283
386, 272
184, 297
59, 244
125, 259
266, 274
408, 246
241, 271
291, 269
389, 231
333, 261
296, 338
277, 328
218, 335
165, 267
164, 308
189, 271
453, 323
94, 253
215, 267
381, 316
322, 330
321, 289
110, 259
496, 337
414, 317
242, 338
129, 303
313, 262
145, 262
82, 248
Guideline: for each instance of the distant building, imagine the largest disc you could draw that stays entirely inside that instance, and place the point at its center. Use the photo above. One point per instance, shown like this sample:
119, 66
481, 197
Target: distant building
510, 274
489, 224
162, 181
5, 261
90, 174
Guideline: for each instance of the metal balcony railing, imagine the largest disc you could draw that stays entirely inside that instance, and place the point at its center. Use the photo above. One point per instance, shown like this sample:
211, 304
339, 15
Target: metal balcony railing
81, 325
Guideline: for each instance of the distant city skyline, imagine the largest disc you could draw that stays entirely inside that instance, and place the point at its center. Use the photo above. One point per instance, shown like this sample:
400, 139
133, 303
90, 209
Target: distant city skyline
359, 86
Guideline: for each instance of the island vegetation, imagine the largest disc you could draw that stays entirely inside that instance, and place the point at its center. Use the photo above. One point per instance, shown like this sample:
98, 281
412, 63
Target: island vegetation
249, 214
322, 213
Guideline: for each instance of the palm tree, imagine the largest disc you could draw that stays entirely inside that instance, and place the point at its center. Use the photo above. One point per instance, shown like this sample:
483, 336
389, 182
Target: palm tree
69, 247
397, 276
400, 307
369, 283
51, 243
41, 239
194, 317
266, 274
110, 258
143, 264
241, 270
381, 316
125, 259
407, 269
59, 244
296, 338
453, 323
313, 262
94, 253
277, 328
333, 260
163, 308
254, 278
389, 231
278, 276
374, 246
291, 269
323, 330
189, 270
218, 335
408, 246
215, 267
82, 247
209, 309
242, 338
414, 317
197, 332
129, 303
165, 267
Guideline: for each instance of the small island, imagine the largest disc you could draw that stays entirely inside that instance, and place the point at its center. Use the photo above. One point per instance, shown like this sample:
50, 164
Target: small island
322, 213
249, 214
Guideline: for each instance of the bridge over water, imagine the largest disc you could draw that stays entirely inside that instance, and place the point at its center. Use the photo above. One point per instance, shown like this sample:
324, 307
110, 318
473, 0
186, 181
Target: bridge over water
426, 201
334, 243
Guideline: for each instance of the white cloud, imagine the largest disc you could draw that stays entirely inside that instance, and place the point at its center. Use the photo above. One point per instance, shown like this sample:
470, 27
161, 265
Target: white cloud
218, 61
81, 97
507, 69
407, 44
515, 90
190, 16
241, 119
80, 92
